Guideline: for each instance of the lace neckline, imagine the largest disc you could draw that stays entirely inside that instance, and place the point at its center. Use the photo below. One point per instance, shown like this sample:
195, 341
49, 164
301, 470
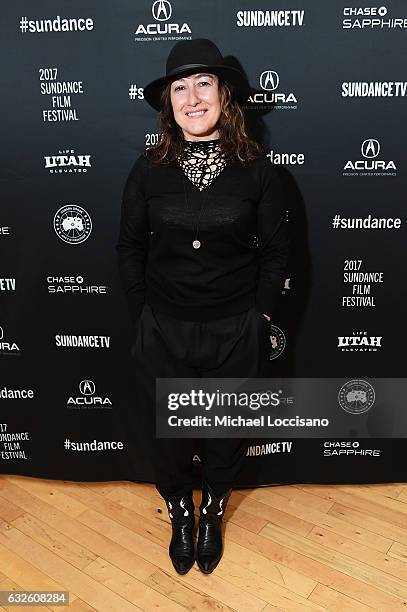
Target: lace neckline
202, 161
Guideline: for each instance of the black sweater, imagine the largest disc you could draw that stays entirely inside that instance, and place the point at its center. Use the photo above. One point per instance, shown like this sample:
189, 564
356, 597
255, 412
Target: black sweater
243, 232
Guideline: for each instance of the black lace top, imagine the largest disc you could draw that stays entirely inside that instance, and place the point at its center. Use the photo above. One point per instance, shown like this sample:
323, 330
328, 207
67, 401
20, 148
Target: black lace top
202, 161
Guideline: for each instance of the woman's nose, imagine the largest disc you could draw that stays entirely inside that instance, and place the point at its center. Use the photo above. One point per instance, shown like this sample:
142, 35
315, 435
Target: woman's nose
192, 96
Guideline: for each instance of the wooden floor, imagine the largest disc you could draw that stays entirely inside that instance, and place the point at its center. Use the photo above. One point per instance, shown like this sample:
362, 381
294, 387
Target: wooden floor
291, 547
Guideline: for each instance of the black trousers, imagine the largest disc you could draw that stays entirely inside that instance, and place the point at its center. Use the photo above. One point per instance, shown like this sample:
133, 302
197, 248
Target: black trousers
166, 347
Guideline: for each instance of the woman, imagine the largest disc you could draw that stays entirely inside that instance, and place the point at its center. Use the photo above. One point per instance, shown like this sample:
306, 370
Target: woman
202, 256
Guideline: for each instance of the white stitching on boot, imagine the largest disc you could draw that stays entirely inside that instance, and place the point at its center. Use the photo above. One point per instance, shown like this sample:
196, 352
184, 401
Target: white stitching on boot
182, 504
204, 511
208, 504
220, 506
170, 508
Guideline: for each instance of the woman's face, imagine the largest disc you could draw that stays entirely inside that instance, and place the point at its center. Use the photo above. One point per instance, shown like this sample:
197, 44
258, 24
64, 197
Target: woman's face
191, 94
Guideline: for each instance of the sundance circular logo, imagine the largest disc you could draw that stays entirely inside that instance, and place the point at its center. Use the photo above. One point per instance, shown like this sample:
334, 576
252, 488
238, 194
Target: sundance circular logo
72, 224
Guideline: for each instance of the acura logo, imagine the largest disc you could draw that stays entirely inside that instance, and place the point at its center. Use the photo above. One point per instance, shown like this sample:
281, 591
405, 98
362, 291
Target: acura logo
161, 10
87, 387
269, 80
370, 148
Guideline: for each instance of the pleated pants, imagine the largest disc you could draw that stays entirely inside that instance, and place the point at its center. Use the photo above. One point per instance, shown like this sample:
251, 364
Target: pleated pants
165, 347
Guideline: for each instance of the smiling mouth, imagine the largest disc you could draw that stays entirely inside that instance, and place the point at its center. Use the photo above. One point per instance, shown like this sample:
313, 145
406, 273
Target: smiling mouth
196, 113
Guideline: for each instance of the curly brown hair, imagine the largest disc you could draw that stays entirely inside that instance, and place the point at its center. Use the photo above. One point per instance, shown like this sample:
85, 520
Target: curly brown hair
234, 140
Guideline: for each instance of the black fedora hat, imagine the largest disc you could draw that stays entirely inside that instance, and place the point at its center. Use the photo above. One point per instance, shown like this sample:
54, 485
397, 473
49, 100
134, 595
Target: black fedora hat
197, 55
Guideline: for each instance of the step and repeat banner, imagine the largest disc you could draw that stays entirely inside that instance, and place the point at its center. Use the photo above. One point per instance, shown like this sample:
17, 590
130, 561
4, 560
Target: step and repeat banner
328, 102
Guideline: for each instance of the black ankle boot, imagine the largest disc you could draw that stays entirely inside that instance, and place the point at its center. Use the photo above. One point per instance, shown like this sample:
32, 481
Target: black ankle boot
210, 542
182, 545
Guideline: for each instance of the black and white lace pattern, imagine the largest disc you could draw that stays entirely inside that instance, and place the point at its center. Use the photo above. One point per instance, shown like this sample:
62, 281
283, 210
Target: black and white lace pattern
202, 161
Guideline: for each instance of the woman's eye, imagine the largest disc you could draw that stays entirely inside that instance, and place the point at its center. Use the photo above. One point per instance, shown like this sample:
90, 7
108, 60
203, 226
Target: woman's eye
200, 83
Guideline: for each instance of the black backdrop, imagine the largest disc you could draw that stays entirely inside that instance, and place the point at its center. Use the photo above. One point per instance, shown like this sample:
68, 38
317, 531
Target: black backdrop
74, 120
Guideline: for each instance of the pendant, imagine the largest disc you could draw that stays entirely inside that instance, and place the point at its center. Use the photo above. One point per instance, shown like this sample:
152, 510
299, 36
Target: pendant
196, 244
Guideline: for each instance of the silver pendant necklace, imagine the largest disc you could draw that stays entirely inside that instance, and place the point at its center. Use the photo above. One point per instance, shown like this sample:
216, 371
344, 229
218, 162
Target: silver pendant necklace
200, 151
195, 243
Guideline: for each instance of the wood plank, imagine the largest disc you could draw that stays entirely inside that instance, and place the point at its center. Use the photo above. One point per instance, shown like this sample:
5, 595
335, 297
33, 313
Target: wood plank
75, 581
379, 560
371, 523
395, 505
92, 540
389, 590
153, 528
285, 579
79, 606
403, 495
398, 551
47, 490
333, 601
264, 588
102, 488
192, 598
8, 510
129, 587
388, 490
76, 554
307, 518
352, 499
23, 573
302, 559
290, 493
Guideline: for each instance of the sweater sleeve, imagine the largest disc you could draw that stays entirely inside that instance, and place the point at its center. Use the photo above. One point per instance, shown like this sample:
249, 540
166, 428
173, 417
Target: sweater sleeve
133, 240
273, 239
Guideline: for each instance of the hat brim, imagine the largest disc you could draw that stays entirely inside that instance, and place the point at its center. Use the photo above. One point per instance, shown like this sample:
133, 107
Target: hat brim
242, 89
